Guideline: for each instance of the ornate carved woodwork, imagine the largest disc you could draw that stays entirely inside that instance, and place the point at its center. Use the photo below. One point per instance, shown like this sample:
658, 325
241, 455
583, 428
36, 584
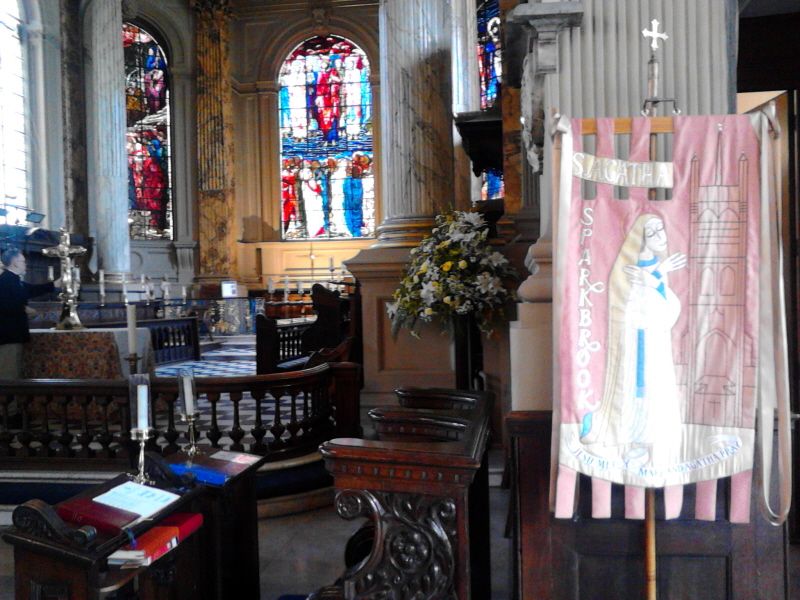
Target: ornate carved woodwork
38, 519
423, 486
413, 549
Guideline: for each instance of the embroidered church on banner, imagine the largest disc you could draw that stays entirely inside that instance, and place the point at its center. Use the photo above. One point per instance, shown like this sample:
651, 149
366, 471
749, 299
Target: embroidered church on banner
657, 334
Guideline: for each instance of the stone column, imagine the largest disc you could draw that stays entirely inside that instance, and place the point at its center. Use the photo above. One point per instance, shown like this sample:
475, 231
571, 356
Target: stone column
466, 95
107, 161
215, 198
416, 117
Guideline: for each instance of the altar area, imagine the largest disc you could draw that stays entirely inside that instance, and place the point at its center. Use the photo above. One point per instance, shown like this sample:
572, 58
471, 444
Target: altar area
84, 354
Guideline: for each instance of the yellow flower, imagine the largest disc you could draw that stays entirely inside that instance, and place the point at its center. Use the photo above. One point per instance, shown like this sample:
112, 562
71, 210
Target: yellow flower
447, 299
429, 311
462, 264
423, 268
447, 266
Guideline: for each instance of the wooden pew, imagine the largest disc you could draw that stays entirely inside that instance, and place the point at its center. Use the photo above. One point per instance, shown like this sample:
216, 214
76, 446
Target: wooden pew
423, 485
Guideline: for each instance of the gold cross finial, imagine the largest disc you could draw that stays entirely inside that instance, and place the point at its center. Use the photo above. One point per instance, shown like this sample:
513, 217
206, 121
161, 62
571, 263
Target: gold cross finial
654, 34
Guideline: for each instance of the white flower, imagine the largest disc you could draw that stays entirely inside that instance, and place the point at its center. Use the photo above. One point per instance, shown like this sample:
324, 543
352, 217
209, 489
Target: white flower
496, 259
485, 282
391, 309
427, 292
473, 218
463, 236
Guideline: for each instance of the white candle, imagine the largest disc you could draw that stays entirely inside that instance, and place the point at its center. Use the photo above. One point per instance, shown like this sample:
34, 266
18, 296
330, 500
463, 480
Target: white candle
131, 314
142, 278
330, 263
102, 288
165, 289
188, 396
50, 273
300, 287
124, 291
101, 276
270, 285
183, 293
76, 274
142, 420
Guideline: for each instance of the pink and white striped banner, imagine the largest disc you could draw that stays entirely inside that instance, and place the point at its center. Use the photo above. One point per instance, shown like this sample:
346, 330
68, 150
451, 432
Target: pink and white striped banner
657, 316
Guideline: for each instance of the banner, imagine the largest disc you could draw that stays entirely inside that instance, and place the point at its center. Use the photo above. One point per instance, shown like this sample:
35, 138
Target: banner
657, 330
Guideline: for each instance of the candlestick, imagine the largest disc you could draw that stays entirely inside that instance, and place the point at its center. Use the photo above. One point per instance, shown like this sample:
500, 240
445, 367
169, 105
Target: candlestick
50, 273
188, 394
131, 314
142, 417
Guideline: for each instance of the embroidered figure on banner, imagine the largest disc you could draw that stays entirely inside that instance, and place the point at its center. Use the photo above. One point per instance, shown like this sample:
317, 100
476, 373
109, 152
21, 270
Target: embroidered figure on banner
659, 341
640, 408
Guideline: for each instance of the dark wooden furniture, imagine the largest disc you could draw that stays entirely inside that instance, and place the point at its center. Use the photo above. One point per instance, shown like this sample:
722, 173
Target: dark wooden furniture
231, 524
588, 559
58, 426
423, 485
54, 560
287, 346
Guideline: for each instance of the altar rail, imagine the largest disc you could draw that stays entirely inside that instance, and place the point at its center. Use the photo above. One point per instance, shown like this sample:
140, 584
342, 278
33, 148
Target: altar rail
423, 485
86, 423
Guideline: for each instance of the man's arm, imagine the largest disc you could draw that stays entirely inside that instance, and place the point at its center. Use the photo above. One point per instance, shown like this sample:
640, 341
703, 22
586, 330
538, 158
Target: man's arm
38, 289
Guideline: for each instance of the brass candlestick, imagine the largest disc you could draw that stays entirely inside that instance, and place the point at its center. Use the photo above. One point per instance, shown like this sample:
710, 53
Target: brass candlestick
191, 448
141, 435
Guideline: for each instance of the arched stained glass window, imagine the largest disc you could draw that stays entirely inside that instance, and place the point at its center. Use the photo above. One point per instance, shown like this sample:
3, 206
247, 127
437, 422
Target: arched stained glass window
327, 162
490, 73
489, 52
13, 147
148, 136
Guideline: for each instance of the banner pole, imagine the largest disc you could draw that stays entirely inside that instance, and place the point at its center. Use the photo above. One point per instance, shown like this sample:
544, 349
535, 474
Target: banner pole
650, 544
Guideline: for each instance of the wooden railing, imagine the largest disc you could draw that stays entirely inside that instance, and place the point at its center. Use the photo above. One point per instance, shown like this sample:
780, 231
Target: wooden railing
423, 486
86, 423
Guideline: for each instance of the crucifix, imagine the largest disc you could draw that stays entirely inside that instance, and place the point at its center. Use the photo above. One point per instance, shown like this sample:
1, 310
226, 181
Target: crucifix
65, 251
653, 99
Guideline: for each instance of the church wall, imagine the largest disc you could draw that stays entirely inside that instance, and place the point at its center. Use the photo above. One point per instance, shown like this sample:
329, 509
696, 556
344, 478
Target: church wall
261, 37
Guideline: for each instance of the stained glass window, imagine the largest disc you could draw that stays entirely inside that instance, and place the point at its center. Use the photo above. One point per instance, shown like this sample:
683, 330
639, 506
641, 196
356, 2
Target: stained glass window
492, 186
327, 162
490, 63
13, 148
148, 136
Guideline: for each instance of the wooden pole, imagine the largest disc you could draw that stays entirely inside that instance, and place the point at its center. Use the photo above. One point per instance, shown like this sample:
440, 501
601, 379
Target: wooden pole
650, 545
651, 582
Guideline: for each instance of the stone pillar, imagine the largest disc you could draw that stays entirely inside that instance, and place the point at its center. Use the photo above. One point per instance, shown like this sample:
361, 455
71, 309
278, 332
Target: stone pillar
107, 161
416, 117
466, 95
417, 182
215, 197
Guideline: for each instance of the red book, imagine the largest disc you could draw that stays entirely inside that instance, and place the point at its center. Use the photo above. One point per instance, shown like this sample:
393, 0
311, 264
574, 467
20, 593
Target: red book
106, 519
187, 523
156, 542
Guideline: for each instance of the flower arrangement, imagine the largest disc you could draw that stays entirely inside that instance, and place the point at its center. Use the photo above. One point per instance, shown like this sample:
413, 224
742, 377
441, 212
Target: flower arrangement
454, 271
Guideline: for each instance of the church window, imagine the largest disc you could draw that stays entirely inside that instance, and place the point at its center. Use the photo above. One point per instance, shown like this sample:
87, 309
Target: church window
490, 63
147, 138
326, 144
13, 140
490, 71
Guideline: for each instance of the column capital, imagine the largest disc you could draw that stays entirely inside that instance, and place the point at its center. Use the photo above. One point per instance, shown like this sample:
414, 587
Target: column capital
546, 20
212, 9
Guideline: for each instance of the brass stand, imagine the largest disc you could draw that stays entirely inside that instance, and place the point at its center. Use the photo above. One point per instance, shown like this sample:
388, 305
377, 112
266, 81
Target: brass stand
133, 362
191, 449
141, 435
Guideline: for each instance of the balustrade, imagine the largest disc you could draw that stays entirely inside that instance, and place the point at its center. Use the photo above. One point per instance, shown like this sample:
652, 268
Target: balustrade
86, 423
